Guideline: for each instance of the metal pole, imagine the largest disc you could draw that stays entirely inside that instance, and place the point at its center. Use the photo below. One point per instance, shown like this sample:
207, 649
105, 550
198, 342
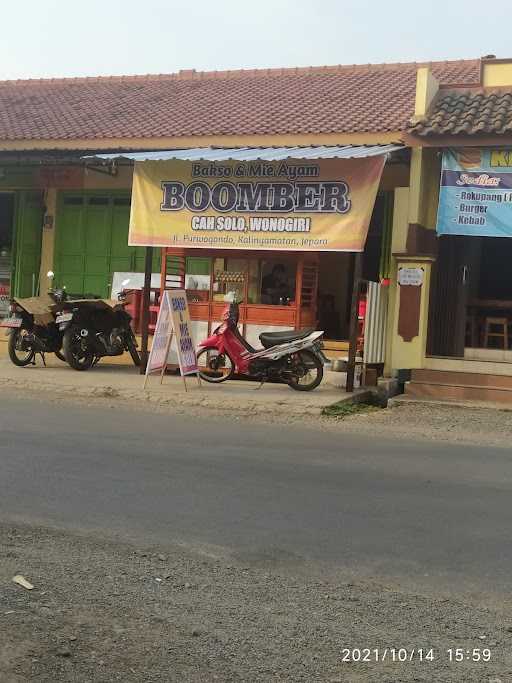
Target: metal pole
354, 315
146, 300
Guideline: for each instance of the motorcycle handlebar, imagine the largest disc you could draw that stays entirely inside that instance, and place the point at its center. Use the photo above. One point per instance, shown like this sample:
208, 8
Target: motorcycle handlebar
58, 295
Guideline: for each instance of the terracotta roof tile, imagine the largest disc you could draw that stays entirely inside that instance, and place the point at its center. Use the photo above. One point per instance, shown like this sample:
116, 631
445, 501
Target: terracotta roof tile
339, 99
470, 111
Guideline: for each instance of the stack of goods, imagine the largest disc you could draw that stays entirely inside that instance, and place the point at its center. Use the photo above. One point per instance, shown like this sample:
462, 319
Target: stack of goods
225, 276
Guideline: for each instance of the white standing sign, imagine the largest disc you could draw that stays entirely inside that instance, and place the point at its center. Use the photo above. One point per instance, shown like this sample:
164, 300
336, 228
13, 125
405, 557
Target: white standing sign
173, 321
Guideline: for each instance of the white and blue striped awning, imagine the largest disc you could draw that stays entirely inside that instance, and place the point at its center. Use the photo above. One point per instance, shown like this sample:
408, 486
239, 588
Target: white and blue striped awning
255, 153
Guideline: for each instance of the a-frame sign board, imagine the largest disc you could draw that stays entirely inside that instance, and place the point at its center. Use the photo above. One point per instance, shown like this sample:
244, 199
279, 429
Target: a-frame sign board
173, 321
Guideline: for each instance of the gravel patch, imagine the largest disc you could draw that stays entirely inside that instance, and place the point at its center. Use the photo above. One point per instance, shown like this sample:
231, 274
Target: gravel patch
434, 422
105, 611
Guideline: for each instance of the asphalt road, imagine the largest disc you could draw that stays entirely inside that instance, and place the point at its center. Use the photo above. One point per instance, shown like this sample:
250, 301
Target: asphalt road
432, 515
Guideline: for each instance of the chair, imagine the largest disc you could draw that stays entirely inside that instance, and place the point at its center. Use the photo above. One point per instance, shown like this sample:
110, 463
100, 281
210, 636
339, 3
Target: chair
471, 339
496, 328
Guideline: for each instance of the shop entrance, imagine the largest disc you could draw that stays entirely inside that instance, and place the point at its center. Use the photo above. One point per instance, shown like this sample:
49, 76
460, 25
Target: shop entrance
6, 248
91, 242
335, 282
471, 299
21, 219
336, 273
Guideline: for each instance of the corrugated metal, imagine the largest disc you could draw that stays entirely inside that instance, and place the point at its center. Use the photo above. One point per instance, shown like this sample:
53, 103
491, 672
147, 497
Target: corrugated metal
255, 153
375, 323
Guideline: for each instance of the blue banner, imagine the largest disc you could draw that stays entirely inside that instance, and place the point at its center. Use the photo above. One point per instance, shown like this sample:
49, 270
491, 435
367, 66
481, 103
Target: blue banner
475, 197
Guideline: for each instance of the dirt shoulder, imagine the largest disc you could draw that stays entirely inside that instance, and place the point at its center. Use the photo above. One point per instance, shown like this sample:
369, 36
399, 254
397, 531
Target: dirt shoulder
120, 387
106, 611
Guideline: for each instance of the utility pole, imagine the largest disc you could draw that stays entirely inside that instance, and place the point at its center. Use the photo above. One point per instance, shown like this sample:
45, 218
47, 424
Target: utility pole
146, 301
354, 321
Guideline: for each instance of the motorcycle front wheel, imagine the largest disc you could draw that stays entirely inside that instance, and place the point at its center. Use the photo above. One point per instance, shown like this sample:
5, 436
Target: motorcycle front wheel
132, 348
308, 371
17, 355
76, 353
213, 366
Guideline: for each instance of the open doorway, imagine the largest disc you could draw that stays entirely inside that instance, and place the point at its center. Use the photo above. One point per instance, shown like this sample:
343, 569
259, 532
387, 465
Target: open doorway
334, 294
471, 301
336, 272
6, 249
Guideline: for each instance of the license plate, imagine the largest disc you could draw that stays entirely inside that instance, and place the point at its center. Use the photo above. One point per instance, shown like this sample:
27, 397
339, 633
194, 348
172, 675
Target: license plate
64, 318
11, 322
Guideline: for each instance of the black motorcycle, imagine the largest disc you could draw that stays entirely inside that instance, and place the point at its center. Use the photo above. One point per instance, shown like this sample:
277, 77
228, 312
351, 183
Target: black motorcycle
33, 328
95, 328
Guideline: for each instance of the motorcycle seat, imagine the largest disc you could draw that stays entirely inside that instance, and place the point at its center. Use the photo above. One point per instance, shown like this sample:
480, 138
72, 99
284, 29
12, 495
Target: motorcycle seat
269, 339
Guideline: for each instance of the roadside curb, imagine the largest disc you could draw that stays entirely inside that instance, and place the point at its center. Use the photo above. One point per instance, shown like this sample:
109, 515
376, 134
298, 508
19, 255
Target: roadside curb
177, 400
254, 404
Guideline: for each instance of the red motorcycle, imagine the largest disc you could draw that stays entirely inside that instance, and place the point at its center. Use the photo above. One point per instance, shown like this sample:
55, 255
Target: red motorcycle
292, 357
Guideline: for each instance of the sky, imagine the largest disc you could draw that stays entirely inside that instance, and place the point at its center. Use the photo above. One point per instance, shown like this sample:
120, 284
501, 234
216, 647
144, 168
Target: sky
57, 38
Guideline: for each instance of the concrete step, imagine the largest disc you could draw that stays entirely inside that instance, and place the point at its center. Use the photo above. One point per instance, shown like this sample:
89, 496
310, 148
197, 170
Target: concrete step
458, 392
457, 378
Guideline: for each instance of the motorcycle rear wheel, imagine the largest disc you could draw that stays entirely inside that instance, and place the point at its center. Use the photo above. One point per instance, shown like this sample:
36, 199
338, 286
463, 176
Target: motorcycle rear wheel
15, 339
76, 356
313, 369
217, 367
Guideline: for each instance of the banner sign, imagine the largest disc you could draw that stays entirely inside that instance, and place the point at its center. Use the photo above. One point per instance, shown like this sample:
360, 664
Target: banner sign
321, 205
476, 193
173, 321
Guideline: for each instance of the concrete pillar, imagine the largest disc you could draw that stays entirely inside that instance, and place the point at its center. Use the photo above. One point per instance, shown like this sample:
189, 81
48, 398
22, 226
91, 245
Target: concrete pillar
409, 353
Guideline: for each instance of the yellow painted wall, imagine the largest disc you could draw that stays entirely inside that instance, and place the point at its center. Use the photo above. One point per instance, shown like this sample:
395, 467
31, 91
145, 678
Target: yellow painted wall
427, 86
497, 73
398, 240
206, 140
417, 205
391, 323
430, 200
424, 186
400, 219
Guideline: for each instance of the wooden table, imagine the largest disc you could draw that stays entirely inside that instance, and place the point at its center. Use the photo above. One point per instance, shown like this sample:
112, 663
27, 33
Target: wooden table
501, 304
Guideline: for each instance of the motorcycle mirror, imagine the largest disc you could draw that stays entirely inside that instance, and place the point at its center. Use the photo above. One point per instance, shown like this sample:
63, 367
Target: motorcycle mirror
50, 274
